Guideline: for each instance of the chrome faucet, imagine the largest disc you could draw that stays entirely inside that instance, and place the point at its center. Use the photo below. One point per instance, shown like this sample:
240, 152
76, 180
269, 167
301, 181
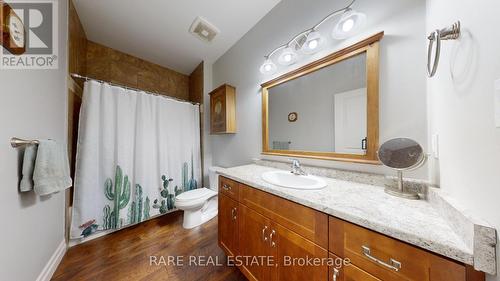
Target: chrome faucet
296, 169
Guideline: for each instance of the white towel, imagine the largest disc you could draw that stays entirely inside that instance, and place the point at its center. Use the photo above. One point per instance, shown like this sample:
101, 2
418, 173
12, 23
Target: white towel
28, 167
51, 172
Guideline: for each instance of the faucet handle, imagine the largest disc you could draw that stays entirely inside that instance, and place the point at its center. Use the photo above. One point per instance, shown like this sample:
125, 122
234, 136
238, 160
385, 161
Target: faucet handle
295, 162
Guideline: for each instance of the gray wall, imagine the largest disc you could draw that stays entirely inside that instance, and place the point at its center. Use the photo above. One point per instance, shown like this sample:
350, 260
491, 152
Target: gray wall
402, 73
461, 108
33, 106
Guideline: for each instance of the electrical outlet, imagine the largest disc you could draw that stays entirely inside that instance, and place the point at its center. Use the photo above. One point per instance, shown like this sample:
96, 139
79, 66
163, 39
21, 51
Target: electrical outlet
435, 146
497, 103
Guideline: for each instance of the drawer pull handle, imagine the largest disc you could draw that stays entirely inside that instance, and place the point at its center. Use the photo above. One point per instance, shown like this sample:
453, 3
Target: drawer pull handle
394, 264
271, 242
264, 237
233, 213
226, 187
336, 273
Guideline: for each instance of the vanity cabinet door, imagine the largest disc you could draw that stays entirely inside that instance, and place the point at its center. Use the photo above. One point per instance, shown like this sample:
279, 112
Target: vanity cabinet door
348, 272
254, 244
308, 223
296, 256
352, 273
228, 225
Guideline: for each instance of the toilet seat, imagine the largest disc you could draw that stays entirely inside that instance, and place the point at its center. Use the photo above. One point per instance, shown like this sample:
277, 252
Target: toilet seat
194, 199
195, 194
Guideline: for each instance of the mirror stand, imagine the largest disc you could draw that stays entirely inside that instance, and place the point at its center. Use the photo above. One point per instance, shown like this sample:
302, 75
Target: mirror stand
401, 191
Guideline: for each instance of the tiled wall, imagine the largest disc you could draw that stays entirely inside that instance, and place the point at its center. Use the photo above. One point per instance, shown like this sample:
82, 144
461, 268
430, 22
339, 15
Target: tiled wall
196, 84
108, 64
104, 63
77, 44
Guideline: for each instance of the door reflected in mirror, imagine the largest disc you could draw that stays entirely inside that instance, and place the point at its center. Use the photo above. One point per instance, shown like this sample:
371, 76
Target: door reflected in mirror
328, 109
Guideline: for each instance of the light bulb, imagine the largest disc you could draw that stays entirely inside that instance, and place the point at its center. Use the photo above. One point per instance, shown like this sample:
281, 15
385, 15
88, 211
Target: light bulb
268, 67
313, 43
287, 56
348, 25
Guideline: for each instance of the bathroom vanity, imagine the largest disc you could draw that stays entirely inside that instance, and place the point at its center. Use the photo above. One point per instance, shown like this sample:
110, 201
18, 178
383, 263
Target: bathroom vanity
259, 219
341, 218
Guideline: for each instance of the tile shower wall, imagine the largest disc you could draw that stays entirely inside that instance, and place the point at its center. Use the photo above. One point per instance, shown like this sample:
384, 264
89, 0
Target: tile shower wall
111, 65
101, 62
77, 44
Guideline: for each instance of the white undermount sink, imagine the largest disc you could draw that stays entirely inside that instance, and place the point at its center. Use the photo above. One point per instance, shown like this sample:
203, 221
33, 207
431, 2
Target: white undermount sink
289, 180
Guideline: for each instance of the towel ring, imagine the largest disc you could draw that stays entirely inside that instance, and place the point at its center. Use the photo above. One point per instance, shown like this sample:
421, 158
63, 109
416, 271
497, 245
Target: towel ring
449, 33
433, 37
17, 142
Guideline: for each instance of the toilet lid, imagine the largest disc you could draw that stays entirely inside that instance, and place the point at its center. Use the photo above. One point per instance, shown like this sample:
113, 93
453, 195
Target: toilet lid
195, 194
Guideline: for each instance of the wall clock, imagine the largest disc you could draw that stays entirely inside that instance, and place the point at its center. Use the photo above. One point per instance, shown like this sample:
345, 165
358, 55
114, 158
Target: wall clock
12, 30
292, 116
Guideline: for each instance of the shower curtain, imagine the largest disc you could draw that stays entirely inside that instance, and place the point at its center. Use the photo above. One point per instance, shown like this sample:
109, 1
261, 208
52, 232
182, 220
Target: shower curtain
136, 153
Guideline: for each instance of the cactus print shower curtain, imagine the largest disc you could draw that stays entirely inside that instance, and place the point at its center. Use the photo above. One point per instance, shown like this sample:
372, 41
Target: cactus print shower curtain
136, 152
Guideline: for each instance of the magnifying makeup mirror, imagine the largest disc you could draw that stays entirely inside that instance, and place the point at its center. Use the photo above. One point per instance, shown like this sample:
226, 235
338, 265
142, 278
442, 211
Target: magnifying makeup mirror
401, 154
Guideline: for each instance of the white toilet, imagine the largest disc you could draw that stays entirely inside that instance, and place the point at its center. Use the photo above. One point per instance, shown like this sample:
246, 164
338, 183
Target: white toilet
199, 205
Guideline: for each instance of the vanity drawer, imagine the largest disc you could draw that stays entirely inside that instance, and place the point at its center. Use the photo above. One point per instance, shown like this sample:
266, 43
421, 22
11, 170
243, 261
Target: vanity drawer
387, 258
229, 187
306, 222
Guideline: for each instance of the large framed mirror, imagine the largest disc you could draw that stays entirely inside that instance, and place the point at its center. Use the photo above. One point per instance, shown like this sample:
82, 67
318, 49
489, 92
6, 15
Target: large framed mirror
328, 109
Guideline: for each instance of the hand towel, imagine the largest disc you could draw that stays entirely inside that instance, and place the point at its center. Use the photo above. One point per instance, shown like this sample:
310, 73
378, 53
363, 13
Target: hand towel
51, 173
28, 167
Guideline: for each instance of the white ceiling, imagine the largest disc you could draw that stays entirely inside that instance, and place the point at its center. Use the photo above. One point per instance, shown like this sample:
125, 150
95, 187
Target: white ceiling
158, 30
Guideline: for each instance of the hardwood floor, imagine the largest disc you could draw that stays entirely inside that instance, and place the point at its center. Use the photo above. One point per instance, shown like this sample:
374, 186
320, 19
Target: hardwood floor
125, 255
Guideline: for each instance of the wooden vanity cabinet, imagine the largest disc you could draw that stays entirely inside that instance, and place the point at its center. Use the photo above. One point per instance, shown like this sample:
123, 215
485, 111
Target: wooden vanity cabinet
254, 240
306, 222
254, 223
291, 251
259, 236
389, 259
229, 188
338, 272
228, 219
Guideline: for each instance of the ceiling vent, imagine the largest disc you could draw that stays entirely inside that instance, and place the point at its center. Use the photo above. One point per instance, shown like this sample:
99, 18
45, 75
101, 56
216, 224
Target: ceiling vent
203, 30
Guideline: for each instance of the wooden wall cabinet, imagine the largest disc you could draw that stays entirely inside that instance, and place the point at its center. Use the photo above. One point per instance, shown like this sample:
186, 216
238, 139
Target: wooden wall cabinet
223, 110
254, 223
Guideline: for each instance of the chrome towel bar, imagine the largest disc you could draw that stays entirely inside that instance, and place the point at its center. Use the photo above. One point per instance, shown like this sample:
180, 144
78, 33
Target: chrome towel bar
17, 142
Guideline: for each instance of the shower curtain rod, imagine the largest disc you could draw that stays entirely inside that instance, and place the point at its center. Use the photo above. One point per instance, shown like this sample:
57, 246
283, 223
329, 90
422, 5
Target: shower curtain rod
86, 78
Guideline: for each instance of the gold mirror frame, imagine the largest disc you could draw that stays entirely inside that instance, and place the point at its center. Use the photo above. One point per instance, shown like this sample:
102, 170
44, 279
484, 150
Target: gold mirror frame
370, 46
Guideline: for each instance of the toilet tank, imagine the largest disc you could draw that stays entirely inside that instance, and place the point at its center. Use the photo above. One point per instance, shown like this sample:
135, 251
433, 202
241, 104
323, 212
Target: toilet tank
213, 178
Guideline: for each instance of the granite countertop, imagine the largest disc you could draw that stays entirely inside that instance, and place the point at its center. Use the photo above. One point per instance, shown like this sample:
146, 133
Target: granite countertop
413, 221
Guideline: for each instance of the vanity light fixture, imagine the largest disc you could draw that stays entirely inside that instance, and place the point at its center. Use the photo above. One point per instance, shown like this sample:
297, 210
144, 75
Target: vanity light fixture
311, 41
